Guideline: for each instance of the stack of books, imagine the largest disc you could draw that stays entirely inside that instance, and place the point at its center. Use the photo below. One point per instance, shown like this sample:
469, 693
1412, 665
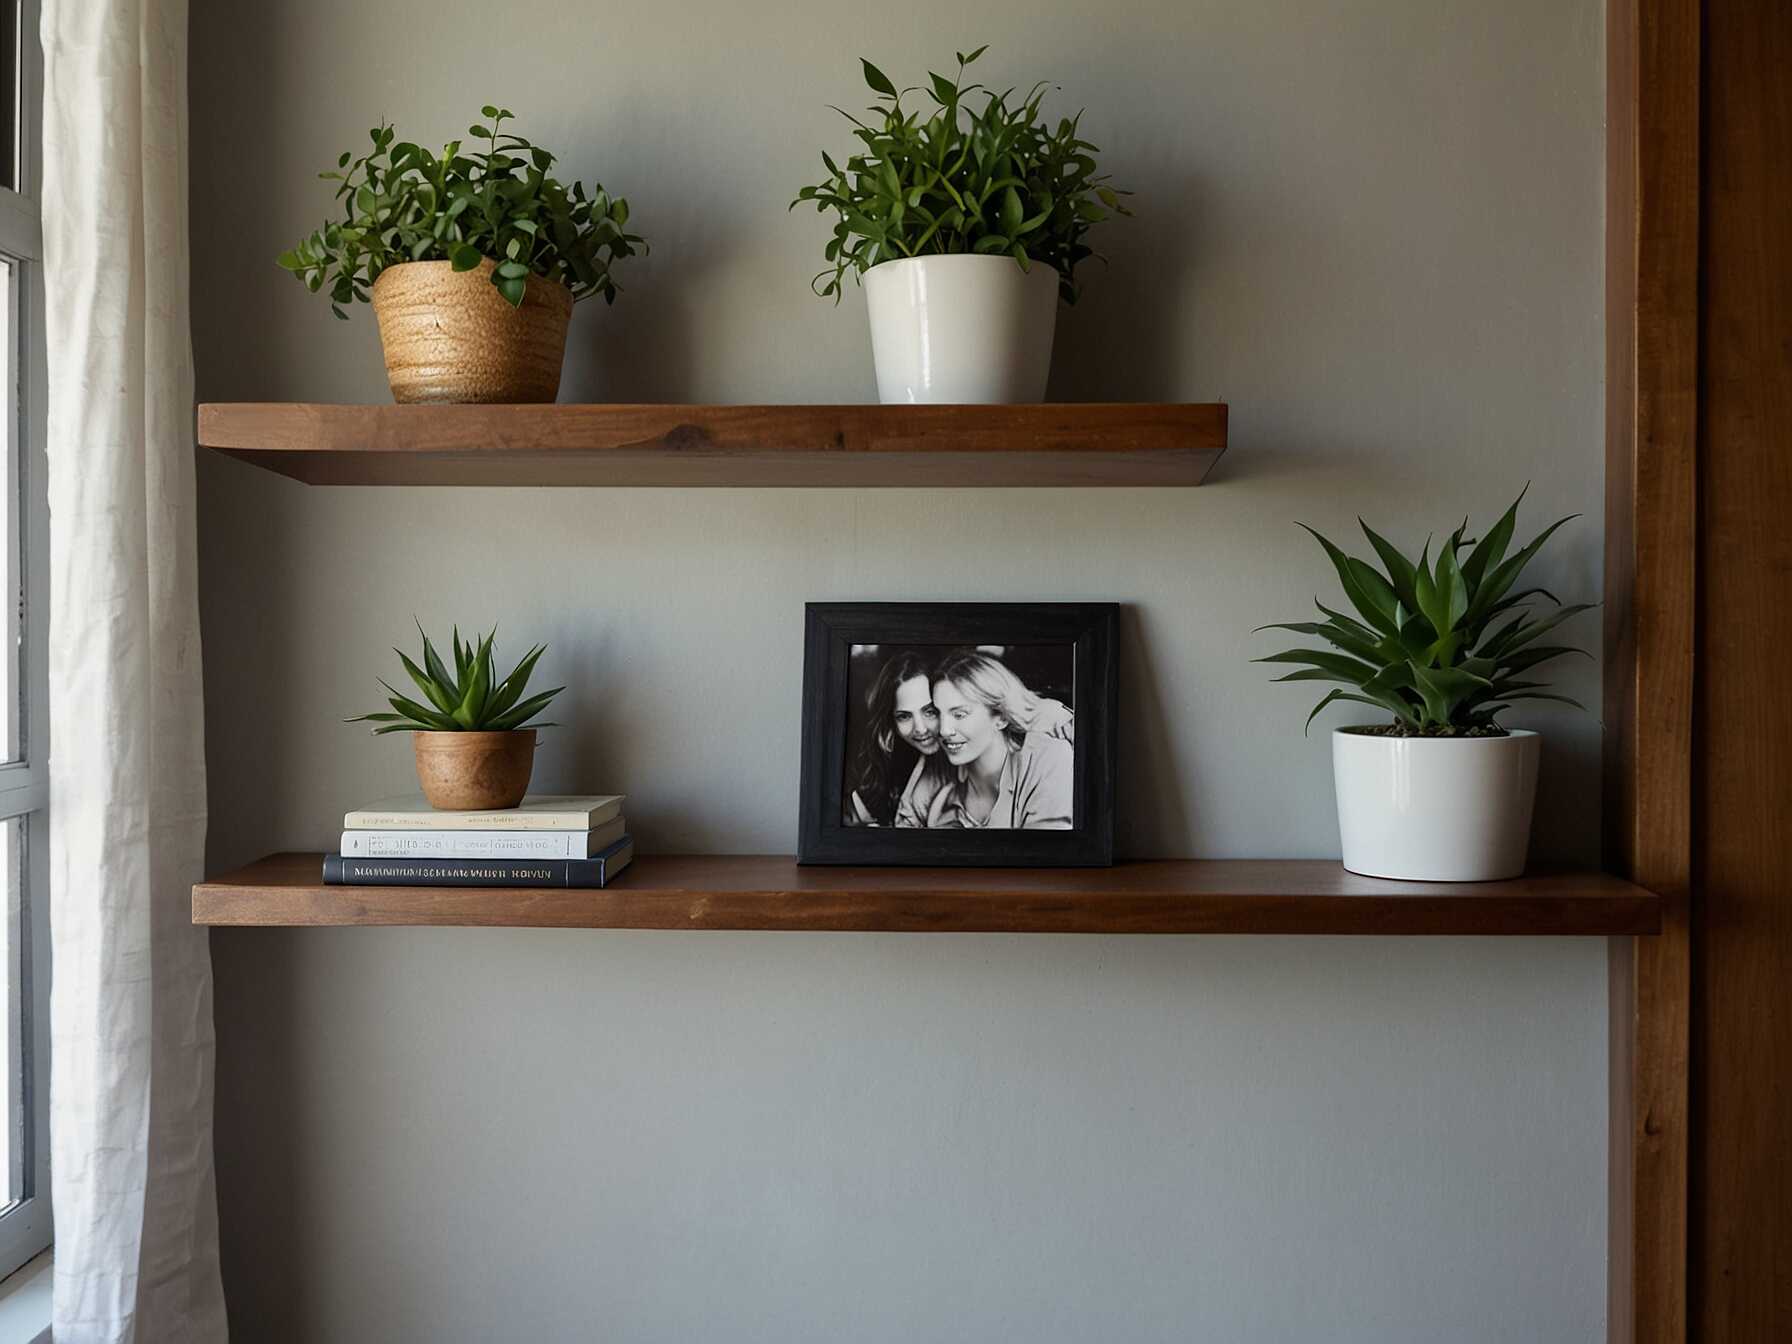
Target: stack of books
548, 840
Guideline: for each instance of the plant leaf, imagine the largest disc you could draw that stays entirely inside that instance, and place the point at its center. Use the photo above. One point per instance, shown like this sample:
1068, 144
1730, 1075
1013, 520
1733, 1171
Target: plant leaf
1342, 694
470, 713
1367, 590
411, 709
512, 687
1501, 578
1338, 665
1452, 592
1492, 547
1543, 653
433, 692
877, 79
1399, 568
1431, 606
1359, 645
1511, 639
432, 663
520, 716
1443, 689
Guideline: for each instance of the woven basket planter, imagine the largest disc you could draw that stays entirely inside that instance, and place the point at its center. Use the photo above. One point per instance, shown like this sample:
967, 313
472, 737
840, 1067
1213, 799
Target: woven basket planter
450, 337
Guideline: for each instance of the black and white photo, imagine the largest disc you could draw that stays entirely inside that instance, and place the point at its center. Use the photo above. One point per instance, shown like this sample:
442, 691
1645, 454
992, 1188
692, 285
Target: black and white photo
960, 736
934, 732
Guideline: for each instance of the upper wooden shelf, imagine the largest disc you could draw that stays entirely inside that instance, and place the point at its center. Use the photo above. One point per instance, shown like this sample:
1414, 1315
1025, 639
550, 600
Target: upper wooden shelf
762, 892
1064, 443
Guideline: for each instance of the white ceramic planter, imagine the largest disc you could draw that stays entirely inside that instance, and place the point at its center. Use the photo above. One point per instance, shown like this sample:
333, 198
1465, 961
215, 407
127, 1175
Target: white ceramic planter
961, 328
1435, 809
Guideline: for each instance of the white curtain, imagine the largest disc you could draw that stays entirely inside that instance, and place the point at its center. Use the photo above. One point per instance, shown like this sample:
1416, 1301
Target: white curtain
131, 1001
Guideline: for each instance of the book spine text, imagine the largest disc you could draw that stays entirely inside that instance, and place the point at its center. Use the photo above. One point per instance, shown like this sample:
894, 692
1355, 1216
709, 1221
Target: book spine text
350, 871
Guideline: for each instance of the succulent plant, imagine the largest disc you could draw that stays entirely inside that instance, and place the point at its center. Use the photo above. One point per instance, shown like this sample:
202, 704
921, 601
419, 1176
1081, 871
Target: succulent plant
1444, 647
471, 700
996, 180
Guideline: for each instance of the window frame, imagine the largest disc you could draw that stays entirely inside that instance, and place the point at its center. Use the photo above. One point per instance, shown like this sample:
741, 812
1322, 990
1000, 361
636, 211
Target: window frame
27, 1226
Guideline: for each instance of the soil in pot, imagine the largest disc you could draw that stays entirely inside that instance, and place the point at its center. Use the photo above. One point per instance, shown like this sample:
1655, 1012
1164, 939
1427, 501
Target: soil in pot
1398, 729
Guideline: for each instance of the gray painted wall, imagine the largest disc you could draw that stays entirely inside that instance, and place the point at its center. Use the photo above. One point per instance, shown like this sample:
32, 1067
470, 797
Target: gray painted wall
1374, 229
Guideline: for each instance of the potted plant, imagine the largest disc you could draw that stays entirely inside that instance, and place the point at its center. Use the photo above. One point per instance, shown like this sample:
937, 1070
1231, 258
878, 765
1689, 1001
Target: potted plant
965, 226
472, 259
1442, 792
474, 740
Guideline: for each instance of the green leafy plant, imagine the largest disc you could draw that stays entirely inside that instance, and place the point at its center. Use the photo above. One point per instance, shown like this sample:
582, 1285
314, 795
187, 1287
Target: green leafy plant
1442, 647
470, 700
994, 180
403, 203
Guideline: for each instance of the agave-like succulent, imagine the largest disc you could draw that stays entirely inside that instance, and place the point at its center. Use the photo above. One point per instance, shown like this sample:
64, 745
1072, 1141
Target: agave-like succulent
472, 700
1430, 647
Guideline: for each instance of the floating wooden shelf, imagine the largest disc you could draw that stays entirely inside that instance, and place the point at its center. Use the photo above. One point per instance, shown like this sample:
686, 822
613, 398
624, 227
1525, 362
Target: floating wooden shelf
760, 892
1086, 444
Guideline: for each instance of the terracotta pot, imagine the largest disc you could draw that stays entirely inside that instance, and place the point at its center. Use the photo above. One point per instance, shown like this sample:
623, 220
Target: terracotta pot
475, 772
450, 336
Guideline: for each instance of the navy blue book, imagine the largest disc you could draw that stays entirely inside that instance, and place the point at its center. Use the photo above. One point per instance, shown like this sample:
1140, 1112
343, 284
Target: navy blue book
594, 872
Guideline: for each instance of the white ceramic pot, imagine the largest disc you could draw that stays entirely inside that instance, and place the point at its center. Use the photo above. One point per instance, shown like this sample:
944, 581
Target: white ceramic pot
961, 328
1435, 809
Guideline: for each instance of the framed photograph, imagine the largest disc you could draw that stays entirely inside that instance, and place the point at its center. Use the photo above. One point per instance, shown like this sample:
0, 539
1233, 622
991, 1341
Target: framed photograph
959, 733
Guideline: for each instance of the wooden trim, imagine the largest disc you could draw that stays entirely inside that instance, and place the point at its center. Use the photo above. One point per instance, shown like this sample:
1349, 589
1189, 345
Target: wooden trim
766, 892
1652, 212
1739, 1229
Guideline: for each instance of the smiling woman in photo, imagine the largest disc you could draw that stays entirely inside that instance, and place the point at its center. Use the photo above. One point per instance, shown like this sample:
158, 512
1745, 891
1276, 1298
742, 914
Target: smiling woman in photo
1010, 770
898, 767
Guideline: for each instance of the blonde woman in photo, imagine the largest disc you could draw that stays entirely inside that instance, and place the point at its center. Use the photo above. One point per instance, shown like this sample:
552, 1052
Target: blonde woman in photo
1011, 757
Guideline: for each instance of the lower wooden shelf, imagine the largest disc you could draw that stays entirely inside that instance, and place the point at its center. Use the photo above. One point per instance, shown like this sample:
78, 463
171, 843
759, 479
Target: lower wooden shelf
717, 892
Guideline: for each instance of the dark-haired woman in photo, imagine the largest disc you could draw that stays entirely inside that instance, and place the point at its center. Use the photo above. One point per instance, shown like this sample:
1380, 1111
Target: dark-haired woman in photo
1011, 768
898, 767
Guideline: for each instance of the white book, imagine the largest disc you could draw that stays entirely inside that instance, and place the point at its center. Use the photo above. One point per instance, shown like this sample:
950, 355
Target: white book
483, 844
537, 812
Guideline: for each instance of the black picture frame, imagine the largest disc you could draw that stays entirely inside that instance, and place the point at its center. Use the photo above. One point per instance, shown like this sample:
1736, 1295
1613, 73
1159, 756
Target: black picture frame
832, 629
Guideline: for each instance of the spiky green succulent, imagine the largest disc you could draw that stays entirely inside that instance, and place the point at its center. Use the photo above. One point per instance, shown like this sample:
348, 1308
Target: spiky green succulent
1444, 647
471, 700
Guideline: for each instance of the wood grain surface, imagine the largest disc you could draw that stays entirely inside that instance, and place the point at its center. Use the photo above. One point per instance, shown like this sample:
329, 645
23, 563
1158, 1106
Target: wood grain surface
1652, 292
1740, 1232
1091, 444
775, 893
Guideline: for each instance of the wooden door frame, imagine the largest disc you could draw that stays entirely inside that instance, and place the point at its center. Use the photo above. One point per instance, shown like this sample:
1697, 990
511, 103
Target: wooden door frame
1652, 349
